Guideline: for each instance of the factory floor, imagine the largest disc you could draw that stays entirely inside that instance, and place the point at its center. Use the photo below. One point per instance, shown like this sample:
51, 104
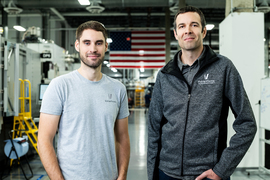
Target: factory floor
137, 166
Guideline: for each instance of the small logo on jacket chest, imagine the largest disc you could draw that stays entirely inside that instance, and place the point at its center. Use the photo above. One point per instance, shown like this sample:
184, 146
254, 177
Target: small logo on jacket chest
206, 80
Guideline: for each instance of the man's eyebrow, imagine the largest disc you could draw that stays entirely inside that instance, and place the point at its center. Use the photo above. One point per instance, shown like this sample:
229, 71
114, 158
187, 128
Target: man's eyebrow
180, 24
100, 41
86, 40
195, 23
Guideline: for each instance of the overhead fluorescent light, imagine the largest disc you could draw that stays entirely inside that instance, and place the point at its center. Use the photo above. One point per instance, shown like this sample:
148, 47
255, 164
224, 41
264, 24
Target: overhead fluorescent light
114, 70
210, 26
109, 40
141, 52
19, 28
84, 2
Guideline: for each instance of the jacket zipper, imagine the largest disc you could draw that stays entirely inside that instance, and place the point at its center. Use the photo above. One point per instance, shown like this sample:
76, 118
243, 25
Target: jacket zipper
189, 96
182, 168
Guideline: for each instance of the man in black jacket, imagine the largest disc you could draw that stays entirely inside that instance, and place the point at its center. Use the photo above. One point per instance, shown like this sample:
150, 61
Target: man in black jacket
187, 130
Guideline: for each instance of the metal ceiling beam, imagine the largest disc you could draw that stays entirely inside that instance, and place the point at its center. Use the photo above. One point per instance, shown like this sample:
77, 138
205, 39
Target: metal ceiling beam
110, 14
75, 4
57, 14
113, 29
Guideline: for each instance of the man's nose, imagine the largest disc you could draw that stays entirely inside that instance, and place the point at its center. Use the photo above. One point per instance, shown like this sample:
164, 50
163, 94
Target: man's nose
93, 48
188, 30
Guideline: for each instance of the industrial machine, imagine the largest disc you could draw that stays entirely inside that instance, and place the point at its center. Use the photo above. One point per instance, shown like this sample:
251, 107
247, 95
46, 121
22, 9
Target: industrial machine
25, 69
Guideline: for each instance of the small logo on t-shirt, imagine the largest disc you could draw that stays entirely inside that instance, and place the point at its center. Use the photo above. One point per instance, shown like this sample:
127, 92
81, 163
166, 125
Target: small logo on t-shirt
110, 97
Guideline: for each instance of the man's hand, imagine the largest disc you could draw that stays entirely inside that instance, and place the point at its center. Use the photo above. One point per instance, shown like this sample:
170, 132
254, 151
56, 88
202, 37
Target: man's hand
208, 174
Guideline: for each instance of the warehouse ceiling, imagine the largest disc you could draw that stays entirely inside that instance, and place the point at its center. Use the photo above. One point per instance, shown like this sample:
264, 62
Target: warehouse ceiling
124, 14
120, 14
117, 13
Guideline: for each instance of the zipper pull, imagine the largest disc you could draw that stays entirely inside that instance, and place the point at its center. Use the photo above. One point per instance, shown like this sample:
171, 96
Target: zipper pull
188, 97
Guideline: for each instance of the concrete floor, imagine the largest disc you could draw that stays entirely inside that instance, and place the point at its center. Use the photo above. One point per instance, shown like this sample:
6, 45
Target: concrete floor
137, 166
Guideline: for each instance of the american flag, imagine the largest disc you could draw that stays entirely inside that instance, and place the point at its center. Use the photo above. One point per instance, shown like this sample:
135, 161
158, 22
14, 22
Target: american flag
137, 49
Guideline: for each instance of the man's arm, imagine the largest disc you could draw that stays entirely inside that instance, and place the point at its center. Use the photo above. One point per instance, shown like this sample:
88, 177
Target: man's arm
47, 128
122, 147
154, 126
244, 125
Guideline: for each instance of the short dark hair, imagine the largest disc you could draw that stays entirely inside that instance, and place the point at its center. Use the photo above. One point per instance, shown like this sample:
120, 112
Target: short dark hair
95, 25
190, 9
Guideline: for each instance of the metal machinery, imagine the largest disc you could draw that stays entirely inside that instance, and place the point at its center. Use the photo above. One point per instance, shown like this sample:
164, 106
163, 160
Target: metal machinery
18, 62
36, 63
52, 60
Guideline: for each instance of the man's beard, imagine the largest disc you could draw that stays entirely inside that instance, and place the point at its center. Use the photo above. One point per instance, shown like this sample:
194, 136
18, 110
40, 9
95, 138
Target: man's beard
95, 65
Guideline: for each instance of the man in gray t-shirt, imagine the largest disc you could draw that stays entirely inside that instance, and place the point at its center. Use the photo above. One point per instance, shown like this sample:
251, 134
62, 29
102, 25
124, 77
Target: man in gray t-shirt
90, 111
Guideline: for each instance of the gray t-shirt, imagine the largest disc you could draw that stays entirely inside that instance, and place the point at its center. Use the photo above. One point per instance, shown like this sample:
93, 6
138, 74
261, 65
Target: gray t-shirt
86, 144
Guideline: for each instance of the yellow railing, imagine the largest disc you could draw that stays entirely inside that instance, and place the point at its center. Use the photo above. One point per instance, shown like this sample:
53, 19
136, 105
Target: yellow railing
24, 122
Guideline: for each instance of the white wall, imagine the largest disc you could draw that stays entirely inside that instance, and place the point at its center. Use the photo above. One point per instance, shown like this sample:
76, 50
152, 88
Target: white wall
241, 40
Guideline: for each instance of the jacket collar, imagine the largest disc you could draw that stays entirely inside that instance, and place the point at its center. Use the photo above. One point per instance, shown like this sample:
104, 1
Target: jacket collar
172, 68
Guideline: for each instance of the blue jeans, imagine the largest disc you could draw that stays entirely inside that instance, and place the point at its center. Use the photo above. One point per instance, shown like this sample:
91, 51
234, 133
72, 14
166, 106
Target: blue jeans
163, 176
211, 179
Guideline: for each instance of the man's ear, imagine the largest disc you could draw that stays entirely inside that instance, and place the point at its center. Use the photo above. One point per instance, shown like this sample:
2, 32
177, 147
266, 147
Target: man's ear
204, 32
77, 46
106, 46
175, 34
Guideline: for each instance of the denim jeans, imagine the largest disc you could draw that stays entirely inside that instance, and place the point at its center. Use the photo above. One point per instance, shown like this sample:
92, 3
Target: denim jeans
211, 179
163, 176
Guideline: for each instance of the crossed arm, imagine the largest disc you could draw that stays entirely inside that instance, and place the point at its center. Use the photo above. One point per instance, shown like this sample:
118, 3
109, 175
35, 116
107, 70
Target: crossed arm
47, 128
122, 144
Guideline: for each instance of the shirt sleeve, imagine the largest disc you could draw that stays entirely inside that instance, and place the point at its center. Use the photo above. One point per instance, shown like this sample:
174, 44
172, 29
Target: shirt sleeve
52, 102
123, 109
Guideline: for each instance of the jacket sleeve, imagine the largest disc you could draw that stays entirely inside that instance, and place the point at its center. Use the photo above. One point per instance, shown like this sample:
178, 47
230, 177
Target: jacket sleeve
154, 124
244, 124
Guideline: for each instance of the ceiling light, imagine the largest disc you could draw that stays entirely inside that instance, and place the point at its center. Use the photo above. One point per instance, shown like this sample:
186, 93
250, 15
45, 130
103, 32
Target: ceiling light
12, 8
109, 40
264, 7
210, 26
84, 2
95, 7
141, 52
19, 28
114, 70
